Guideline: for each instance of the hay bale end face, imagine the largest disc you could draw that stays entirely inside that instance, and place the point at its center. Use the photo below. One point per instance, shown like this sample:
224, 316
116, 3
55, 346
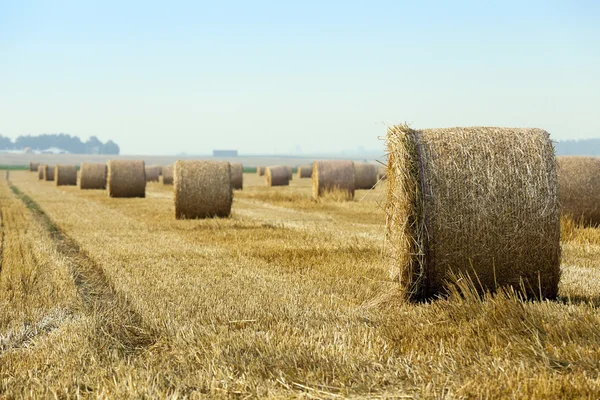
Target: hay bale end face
472, 201
305, 171
48, 172
260, 171
331, 176
365, 175
152, 174
168, 175
92, 176
126, 178
579, 188
65, 175
40, 170
237, 176
277, 175
202, 189
33, 167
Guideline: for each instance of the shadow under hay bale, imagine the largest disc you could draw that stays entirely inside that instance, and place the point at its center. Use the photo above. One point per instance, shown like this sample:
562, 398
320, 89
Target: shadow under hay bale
168, 175
237, 176
277, 175
126, 178
475, 201
579, 188
65, 175
202, 189
305, 171
365, 175
49, 172
152, 174
33, 167
92, 176
332, 176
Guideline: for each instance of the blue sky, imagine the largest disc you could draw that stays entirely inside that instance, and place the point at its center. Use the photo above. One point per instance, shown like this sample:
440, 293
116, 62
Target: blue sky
268, 77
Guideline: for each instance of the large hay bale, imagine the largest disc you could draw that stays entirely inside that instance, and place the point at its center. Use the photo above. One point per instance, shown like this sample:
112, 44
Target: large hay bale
305, 171
65, 175
260, 171
473, 201
41, 168
277, 175
126, 178
168, 175
237, 176
152, 174
92, 176
202, 189
333, 175
33, 166
365, 175
579, 188
48, 172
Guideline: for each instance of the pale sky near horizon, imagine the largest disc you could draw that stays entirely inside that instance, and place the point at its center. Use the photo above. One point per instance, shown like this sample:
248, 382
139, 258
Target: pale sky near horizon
270, 76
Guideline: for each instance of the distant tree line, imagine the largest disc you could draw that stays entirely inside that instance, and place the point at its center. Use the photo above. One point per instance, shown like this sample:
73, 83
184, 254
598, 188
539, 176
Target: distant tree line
69, 143
585, 147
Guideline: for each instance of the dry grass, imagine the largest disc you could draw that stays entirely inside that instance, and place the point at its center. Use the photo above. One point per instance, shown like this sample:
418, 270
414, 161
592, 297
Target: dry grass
126, 178
579, 188
93, 176
287, 298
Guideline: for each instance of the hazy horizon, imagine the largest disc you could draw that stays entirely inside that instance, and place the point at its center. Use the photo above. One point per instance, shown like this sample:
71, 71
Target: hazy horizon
272, 78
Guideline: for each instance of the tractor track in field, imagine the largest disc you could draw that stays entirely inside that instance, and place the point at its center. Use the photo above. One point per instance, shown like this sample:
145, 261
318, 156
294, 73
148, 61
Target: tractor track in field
119, 326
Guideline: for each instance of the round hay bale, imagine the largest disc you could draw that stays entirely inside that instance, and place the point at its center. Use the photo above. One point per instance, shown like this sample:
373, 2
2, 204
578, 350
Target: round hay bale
48, 172
65, 175
382, 173
41, 171
33, 166
477, 201
579, 188
260, 171
92, 176
333, 175
152, 174
305, 171
277, 175
160, 169
202, 189
126, 178
290, 171
168, 175
365, 175
237, 176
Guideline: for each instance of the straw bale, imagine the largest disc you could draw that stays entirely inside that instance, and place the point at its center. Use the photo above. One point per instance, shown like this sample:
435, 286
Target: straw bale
48, 172
333, 175
476, 201
290, 172
40, 169
382, 173
152, 174
260, 171
579, 188
126, 178
365, 175
277, 175
202, 189
237, 176
92, 176
168, 175
33, 166
65, 175
305, 171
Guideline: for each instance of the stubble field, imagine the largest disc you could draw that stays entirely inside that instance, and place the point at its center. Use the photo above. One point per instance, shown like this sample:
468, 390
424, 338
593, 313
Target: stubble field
289, 297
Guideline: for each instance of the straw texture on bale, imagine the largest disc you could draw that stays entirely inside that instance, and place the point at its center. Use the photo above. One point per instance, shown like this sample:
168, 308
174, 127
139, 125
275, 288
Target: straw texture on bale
202, 189
65, 175
365, 175
237, 176
579, 188
477, 201
40, 170
126, 178
152, 174
332, 175
48, 172
92, 176
277, 175
260, 171
305, 171
168, 175
33, 166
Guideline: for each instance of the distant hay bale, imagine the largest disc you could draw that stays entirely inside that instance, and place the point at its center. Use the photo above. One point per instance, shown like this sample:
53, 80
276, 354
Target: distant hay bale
40, 169
160, 169
92, 176
48, 172
237, 176
152, 174
290, 172
305, 171
472, 201
65, 175
579, 188
277, 175
365, 175
260, 171
168, 175
333, 175
126, 178
33, 166
382, 173
202, 189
